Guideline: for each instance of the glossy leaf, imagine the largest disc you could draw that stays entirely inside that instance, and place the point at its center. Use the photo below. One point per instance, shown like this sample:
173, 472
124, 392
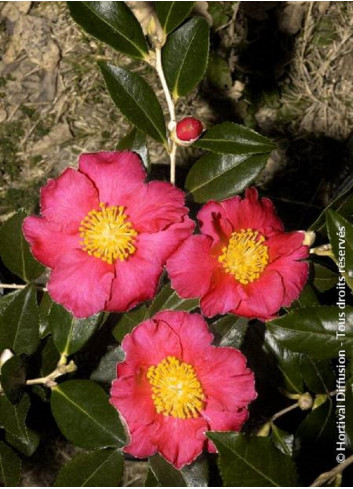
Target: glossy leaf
230, 330
19, 323
185, 56
282, 440
10, 466
27, 445
128, 321
250, 461
101, 468
82, 411
193, 475
6, 299
13, 377
288, 363
218, 176
169, 299
318, 375
324, 279
106, 370
172, 14
135, 141
15, 251
313, 330
70, 333
13, 417
307, 298
135, 99
112, 23
230, 138
340, 232
45, 306
342, 204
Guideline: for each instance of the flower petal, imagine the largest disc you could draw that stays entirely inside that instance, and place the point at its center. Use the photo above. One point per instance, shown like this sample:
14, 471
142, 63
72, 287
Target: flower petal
180, 441
294, 275
223, 421
47, 241
67, 199
115, 174
285, 244
223, 295
81, 283
214, 223
265, 296
190, 267
142, 443
154, 206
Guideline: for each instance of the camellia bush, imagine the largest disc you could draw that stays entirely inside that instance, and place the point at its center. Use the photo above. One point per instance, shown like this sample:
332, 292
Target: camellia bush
181, 325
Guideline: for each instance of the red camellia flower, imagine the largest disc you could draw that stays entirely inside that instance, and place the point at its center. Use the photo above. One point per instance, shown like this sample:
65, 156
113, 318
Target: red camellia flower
105, 233
243, 262
174, 386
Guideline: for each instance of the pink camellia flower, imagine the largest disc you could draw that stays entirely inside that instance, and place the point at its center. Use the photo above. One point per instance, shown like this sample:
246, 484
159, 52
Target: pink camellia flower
105, 233
243, 262
173, 386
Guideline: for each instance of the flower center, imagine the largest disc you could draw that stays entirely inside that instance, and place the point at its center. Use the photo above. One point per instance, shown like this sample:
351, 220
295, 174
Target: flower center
176, 389
106, 234
246, 256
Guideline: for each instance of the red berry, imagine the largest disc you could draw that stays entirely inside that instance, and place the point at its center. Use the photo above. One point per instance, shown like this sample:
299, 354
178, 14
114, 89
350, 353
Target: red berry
189, 129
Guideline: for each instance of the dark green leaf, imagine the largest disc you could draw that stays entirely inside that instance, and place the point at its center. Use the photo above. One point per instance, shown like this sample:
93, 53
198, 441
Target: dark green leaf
6, 299
196, 474
106, 370
218, 176
230, 138
307, 298
185, 56
318, 375
151, 480
19, 323
230, 330
136, 100
165, 473
13, 377
83, 413
102, 468
70, 333
112, 23
313, 330
49, 357
342, 204
172, 14
27, 445
324, 278
318, 425
136, 141
288, 363
13, 417
282, 440
169, 299
15, 251
10, 466
340, 232
44, 309
250, 461
128, 321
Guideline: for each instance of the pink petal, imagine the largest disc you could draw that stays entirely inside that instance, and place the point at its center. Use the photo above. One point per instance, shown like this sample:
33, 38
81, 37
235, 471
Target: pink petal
191, 329
132, 397
190, 267
226, 381
149, 343
252, 213
223, 295
154, 206
115, 174
142, 443
224, 421
265, 296
136, 280
67, 199
81, 283
294, 275
180, 441
285, 244
214, 223
47, 241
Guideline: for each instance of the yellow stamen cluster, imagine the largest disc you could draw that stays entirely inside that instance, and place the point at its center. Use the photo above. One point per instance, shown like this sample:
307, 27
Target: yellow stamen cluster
106, 234
176, 389
246, 255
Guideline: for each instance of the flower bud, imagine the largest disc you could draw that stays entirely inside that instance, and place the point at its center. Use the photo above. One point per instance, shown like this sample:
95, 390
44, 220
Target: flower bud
305, 401
188, 130
309, 238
